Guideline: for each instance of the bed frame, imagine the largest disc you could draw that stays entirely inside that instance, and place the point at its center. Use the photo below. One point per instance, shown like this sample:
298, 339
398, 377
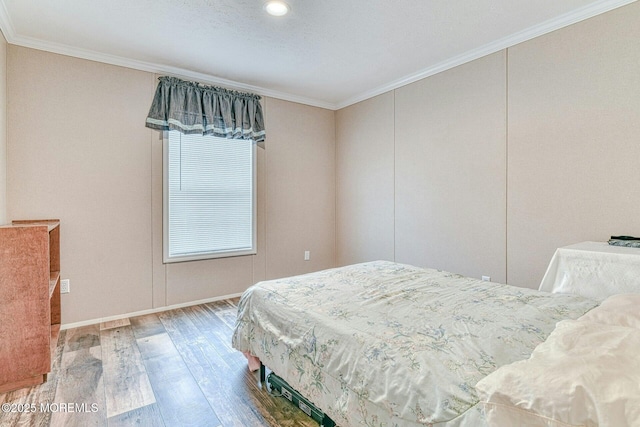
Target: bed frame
275, 384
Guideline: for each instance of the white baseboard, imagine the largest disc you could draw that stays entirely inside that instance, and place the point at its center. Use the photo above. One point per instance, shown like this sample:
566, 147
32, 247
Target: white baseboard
143, 312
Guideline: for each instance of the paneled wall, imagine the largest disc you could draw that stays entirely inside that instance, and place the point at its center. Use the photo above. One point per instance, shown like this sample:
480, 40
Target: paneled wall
450, 174
300, 193
78, 150
365, 181
483, 169
499, 161
574, 139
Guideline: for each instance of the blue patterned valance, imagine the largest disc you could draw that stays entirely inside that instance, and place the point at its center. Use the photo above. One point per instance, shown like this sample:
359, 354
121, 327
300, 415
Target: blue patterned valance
190, 107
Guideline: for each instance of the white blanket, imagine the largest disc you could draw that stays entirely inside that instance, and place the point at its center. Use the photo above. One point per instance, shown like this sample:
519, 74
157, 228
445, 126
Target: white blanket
587, 373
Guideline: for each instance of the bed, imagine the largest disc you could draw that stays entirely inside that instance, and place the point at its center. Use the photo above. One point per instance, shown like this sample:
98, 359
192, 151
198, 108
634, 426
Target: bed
387, 344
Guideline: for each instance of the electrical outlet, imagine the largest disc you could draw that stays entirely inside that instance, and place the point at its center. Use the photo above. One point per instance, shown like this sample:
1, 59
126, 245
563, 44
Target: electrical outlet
486, 278
65, 286
307, 255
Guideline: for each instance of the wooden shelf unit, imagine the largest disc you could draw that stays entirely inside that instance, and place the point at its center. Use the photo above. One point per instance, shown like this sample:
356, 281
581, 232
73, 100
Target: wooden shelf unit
29, 301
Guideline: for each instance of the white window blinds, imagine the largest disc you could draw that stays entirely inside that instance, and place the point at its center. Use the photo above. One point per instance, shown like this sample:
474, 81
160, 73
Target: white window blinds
209, 206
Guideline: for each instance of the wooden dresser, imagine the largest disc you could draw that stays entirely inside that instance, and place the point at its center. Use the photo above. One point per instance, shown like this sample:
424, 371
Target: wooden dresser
29, 301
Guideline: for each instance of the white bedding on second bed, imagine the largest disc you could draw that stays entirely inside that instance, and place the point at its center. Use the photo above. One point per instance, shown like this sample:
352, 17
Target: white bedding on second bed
587, 373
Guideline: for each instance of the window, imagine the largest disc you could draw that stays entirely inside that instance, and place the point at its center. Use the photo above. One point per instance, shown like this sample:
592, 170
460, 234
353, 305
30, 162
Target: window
209, 197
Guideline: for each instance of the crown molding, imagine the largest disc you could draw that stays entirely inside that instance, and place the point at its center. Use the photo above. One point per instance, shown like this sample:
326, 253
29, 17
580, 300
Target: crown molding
562, 21
161, 69
13, 38
557, 23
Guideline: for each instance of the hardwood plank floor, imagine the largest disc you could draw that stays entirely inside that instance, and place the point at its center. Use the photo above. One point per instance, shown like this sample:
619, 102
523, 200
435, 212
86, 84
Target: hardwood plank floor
174, 368
126, 381
80, 383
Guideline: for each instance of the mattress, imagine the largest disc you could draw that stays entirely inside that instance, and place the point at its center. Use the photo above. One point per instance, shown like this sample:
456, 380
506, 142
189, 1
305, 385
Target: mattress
387, 344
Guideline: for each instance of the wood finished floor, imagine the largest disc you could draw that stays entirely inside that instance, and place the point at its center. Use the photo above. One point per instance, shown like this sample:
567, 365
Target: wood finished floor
174, 368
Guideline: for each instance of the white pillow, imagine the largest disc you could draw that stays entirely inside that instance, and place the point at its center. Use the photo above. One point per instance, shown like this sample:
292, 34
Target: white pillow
587, 373
621, 310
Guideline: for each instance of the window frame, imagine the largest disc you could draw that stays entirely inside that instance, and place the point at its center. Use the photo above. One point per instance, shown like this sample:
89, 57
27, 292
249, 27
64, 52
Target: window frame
214, 254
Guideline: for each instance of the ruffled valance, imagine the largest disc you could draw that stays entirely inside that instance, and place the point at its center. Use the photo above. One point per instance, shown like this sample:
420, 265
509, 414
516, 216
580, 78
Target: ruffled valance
191, 107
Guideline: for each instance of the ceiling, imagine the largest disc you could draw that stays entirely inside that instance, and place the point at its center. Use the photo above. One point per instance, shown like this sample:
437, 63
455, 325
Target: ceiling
327, 53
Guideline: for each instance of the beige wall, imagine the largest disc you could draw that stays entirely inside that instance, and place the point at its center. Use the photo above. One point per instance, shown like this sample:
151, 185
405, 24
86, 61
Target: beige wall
421, 173
574, 139
482, 169
3, 129
78, 150
365, 181
450, 183
300, 195
501, 160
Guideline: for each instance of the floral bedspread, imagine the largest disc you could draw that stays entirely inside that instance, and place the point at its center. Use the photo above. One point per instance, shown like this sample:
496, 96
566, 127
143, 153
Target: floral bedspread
384, 344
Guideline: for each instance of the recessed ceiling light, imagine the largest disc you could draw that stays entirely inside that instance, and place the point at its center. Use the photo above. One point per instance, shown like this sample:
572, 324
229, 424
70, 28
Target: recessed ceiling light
276, 8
